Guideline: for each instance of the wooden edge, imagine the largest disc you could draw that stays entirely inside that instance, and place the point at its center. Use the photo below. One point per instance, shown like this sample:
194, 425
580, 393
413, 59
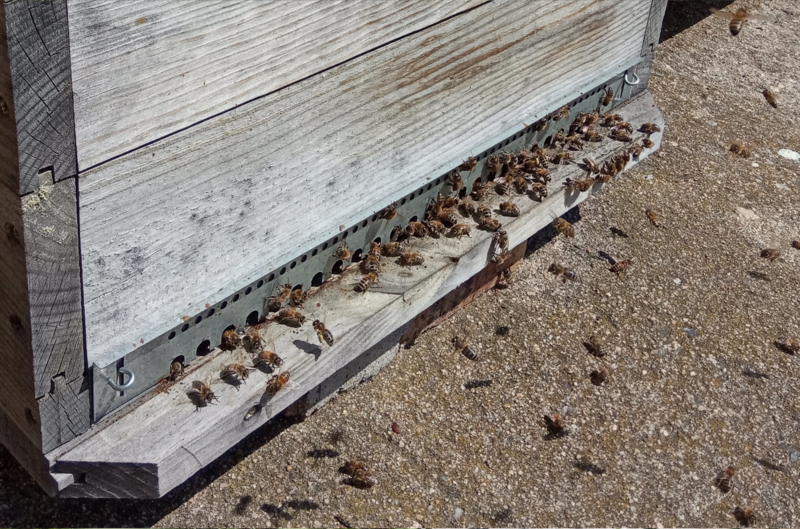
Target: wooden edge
27, 454
165, 432
651, 37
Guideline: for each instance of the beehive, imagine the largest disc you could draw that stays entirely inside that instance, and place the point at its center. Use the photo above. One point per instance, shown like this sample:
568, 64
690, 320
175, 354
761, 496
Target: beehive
166, 170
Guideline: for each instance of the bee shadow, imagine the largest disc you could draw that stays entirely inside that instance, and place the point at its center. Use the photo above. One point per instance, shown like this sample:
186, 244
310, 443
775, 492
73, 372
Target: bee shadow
265, 368
474, 384
196, 399
618, 232
356, 483
761, 276
555, 434
589, 467
304, 505
276, 511
771, 466
548, 233
232, 380
754, 374
307, 347
243, 504
322, 453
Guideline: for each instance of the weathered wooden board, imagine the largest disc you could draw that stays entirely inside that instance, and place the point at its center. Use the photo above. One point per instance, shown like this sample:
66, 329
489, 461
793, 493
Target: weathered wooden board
188, 220
148, 449
145, 69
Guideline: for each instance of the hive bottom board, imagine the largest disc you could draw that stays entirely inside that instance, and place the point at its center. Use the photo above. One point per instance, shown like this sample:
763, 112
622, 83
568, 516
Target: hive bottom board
155, 443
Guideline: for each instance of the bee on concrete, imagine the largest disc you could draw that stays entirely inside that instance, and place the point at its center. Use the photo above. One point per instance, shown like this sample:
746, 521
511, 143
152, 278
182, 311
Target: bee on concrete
298, 297
268, 356
389, 212
538, 191
620, 266
478, 190
635, 150
411, 259
456, 182
609, 97
770, 253
505, 278
789, 345
393, 249
561, 158
724, 480
770, 97
740, 150
254, 339
277, 383
290, 317
435, 227
598, 376
649, 128
175, 370
559, 270
620, 135
342, 252
489, 224
366, 282
460, 230
738, 19
647, 143
562, 113
323, 333
744, 516
500, 238
563, 227
554, 425
203, 393
274, 303
464, 348
509, 208
652, 216
238, 371
591, 165
483, 211
354, 465
230, 340
595, 346
417, 229
796, 245
469, 164
360, 478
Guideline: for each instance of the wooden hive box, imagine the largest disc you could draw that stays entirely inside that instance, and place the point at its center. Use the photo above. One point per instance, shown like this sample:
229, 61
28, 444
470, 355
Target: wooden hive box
166, 167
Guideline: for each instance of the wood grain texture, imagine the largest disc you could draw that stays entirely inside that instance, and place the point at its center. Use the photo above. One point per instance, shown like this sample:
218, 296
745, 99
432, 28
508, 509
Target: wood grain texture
64, 412
38, 45
26, 453
165, 436
144, 69
221, 204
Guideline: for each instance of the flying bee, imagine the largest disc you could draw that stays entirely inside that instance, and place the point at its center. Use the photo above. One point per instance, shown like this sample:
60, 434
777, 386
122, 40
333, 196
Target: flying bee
416, 229
277, 383
230, 340
290, 317
652, 216
238, 371
478, 190
647, 143
559, 270
591, 165
770, 97
483, 211
175, 370
561, 158
448, 218
274, 303
620, 266
411, 259
796, 245
460, 230
469, 164
500, 238
744, 516
789, 345
649, 128
563, 227
203, 394
323, 333
298, 297
464, 348
635, 150
620, 135
598, 376
435, 227
372, 263
740, 150
554, 425
268, 357
489, 224
509, 208
456, 182
562, 113
366, 282
609, 97
770, 253
538, 191
342, 252
392, 249
595, 346
254, 340
738, 19
724, 480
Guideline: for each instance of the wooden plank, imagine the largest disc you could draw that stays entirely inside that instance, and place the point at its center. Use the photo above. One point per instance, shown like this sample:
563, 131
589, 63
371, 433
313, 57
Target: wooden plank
166, 435
651, 38
145, 69
38, 46
25, 452
220, 205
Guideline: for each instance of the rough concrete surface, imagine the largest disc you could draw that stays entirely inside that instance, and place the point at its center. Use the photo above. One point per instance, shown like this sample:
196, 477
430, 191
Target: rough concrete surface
695, 381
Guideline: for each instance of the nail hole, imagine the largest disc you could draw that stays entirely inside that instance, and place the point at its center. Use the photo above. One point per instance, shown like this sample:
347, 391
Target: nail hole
235, 298
252, 318
356, 256
294, 263
335, 240
185, 327
198, 320
402, 201
270, 278
364, 224
223, 305
283, 270
338, 267
211, 312
247, 291
316, 281
325, 246
313, 252
171, 335
303, 259
355, 229
374, 218
260, 283
204, 348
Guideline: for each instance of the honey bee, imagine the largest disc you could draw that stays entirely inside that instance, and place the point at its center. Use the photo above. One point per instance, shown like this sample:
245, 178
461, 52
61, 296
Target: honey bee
520, 185
342, 252
540, 125
366, 282
290, 317
354, 465
323, 333
740, 150
478, 190
770, 97
460, 230
649, 128
559, 270
635, 150
744, 516
582, 184
277, 383
374, 249
559, 137
398, 234
254, 339
563, 227
724, 480
389, 212
175, 371
501, 187
598, 376
298, 297
624, 125
483, 211
796, 245
647, 143
230, 340
538, 191
435, 227
620, 135
608, 120
595, 346
509, 208
270, 358
411, 259
574, 142
361, 479
603, 178
456, 182
561, 158
238, 371
738, 19
505, 278
372, 263
500, 238
562, 113
789, 345
464, 348
770, 253
469, 164
620, 266
609, 168
417, 229
609, 97
500, 257
554, 425
489, 224
652, 216
494, 165
448, 218
468, 206
204, 394
591, 119
591, 165
274, 303
393, 249
620, 161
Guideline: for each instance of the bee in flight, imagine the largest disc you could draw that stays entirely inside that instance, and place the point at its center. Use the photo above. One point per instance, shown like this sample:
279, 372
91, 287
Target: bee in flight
323, 333
738, 19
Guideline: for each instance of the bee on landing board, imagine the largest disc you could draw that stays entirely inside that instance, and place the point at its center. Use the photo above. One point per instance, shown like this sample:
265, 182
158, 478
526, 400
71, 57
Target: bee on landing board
298, 297
175, 371
591, 166
268, 357
201, 394
342, 252
559, 270
372, 263
238, 372
500, 238
771, 254
489, 224
738, 19
724, 480
290, 317
563, 227
649, 128
393, 249
509, 208
254, 341
366, 282
647, 143
469, 164
230, 340
274, 303
411, 259
563, 112
770, 97
435, 228
620, 135
456, 182
459, 230
538, 191
323, 333
389, 212
277, 383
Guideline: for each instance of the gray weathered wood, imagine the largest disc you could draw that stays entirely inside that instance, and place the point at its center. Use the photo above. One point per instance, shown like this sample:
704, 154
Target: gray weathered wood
144, 69
167, 440
38, 45
188, 220
27, 454
651, 38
